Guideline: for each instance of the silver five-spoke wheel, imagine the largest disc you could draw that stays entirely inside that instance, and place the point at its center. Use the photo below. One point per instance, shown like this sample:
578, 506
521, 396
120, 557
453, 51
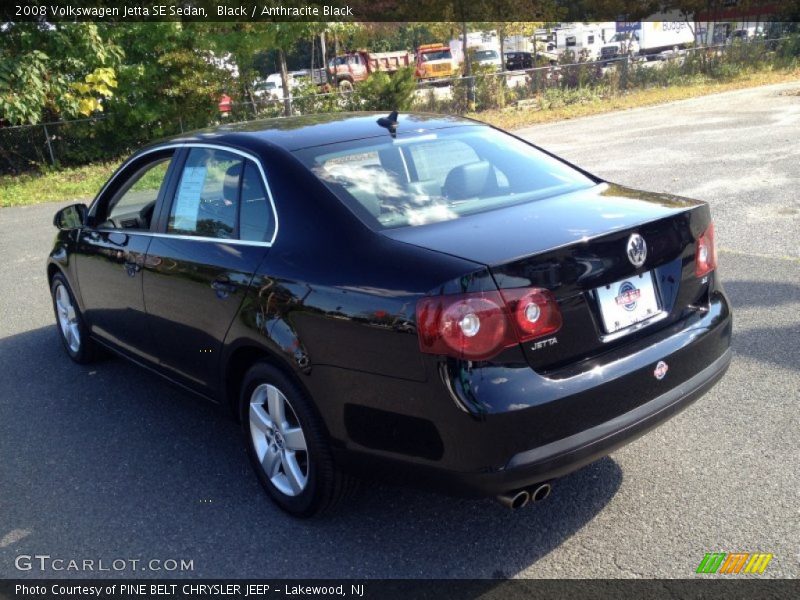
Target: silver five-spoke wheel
67, 318
278, 439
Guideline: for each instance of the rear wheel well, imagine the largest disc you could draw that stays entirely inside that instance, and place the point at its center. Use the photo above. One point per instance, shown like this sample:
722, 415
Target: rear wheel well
240, 362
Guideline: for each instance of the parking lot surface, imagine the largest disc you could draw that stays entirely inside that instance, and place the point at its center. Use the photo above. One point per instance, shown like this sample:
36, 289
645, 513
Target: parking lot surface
110, 462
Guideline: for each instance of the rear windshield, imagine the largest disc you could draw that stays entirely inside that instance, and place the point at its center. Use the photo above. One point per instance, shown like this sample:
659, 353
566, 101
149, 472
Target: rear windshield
439, 176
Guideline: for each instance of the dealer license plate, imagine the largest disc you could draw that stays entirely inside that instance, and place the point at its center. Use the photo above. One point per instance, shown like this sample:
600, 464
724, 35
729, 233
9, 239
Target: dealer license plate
627, 302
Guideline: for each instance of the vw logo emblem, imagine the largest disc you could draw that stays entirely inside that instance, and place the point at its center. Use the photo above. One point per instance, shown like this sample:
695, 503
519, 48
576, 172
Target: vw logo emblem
637, 250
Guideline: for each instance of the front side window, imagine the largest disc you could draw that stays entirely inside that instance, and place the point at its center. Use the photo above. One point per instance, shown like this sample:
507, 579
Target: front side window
571, 40
133, 205
207, 197
438, 176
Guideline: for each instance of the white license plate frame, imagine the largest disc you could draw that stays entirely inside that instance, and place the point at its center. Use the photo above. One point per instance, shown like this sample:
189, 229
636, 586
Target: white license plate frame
616, 314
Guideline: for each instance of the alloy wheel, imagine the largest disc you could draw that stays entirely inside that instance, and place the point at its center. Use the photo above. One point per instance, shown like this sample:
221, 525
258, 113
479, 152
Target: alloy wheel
278, 440
67, 318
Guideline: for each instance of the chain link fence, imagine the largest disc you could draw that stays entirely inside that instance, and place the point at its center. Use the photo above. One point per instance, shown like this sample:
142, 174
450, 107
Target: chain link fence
569, 80
59, 143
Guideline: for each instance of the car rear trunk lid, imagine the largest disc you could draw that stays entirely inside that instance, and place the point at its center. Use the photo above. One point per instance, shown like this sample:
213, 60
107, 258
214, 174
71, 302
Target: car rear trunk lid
576, 245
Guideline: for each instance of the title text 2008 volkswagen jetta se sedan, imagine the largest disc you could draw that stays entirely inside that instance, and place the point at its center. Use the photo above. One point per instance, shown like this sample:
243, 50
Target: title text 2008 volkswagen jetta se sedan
417, 295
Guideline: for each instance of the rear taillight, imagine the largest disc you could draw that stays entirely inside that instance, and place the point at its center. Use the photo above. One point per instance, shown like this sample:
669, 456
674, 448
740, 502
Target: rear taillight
479, 325
705, 258
535, 312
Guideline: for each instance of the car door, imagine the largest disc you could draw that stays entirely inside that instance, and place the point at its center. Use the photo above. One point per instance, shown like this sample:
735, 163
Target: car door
213, 235
111, 250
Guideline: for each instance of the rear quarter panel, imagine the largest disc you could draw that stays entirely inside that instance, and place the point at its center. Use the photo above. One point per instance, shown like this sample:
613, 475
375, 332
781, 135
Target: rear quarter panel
333, 293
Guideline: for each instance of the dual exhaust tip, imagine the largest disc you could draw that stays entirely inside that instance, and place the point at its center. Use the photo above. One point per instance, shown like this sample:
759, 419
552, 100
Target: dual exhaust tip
520, 498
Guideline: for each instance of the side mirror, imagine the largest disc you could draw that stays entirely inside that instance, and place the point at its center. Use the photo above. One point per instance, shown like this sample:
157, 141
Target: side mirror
71, 217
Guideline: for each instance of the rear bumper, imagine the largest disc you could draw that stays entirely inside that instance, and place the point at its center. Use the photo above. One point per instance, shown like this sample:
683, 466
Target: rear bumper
568, 454
507, 427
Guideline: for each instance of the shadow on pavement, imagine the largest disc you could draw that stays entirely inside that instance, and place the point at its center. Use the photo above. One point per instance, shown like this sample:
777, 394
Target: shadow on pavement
757, 294
109, 461
770, 341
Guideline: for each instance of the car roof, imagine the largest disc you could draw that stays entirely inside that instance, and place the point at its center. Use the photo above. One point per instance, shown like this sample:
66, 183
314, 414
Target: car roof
295, 133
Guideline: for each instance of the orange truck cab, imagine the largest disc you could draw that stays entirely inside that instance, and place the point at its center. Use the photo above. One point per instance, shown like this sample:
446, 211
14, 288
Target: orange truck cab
435, 61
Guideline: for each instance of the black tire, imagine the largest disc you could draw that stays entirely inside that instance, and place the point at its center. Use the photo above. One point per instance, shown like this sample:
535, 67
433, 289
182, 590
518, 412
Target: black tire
325, 484
345, 86
87, 350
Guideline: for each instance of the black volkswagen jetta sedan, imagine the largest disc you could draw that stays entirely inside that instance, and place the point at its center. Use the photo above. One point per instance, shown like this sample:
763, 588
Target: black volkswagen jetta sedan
419, 295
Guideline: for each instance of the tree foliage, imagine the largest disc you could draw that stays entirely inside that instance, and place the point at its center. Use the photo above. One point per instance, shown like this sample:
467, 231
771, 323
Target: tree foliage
167, 79
51, 71
385, 92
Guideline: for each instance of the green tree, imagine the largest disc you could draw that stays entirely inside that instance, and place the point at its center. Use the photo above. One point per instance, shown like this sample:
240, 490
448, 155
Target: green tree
167, 80
385, 92
50, 71
242, 43
283, 36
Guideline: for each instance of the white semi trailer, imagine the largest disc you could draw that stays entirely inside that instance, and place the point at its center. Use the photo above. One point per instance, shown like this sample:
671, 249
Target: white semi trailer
646, 38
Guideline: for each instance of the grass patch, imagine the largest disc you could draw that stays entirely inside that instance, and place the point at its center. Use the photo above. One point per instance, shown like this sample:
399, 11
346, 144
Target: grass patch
72, 183
576, 105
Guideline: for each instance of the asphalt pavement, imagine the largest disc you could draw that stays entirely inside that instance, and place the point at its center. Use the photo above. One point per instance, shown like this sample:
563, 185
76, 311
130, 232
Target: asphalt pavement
108, 462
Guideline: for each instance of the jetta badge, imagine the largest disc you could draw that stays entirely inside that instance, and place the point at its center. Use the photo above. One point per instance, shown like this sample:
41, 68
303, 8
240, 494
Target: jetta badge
661, 370
637, 250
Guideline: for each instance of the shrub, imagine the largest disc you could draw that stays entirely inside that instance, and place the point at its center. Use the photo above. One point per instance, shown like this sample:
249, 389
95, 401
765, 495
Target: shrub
489, 88
384, 92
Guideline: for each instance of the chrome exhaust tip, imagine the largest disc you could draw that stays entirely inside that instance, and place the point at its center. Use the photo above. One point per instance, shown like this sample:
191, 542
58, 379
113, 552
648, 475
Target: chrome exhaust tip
540, 492
514, 500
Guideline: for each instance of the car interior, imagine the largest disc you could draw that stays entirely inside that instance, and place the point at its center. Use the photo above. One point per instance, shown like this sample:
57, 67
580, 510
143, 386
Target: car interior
398, 184
391, 184
216, 212
133, 205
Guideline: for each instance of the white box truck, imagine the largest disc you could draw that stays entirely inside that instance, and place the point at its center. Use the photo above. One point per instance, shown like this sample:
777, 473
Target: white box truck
648, 38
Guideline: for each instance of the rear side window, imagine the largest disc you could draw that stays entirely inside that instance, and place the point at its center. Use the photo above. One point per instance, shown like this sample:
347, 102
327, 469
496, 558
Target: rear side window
207, 197
255, 215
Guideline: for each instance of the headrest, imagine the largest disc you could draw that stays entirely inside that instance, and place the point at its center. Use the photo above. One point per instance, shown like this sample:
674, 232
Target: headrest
470, 180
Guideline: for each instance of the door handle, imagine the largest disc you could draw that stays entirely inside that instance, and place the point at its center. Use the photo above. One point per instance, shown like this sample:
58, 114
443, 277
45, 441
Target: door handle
133, 262
223, 287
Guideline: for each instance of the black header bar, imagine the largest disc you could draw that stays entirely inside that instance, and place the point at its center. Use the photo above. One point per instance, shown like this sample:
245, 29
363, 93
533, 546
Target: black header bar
472, 11
706, 587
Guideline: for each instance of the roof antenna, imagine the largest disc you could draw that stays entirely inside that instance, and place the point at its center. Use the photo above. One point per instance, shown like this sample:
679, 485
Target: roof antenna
389, 123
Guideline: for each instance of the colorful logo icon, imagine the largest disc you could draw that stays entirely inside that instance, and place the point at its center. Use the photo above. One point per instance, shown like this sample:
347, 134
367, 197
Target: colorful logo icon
661, 370
723, 563
627, 295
